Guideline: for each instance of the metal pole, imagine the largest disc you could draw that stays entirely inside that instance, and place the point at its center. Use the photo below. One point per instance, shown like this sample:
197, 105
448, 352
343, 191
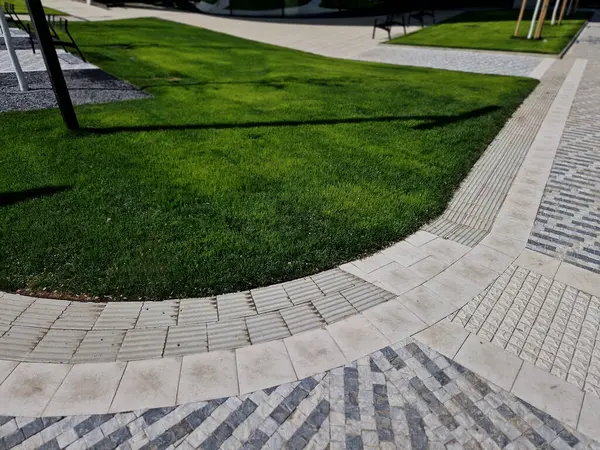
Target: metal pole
534, 18
11, 52
36, 13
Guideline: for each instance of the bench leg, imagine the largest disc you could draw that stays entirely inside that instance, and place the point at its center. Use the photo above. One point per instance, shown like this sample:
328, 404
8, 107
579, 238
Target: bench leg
75, 45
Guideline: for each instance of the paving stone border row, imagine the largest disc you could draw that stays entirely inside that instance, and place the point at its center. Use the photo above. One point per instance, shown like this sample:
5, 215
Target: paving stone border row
46, 330
400, 397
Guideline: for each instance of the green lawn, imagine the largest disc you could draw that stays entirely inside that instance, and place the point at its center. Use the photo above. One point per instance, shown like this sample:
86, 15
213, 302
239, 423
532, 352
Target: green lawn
253, 164
493, 30
21, 8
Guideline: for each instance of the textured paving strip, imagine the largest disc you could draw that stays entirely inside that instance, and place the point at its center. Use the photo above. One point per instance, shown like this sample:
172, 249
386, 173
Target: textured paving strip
461, 60
474, 207
405, 397
543, 321
60, 331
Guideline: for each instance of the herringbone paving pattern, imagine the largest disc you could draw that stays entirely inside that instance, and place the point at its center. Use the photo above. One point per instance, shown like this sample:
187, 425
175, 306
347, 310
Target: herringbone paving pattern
567, 226
406, 397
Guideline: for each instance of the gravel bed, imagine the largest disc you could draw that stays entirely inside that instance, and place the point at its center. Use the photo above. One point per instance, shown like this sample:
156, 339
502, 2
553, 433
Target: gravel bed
85, 86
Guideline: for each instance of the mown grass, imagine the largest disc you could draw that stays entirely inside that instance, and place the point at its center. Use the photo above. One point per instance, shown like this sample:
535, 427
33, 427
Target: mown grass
252, 164
493, 30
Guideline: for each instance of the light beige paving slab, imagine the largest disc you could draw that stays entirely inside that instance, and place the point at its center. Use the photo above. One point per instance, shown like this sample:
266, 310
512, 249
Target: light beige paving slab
490, 258
513, 228
6, 367
580, 278
354, 270
264, 365
357, 337
505, 244
549, 393
489, 361
374, 262
405, 253
313, 352
396, 278
472, 271
429, 267
29, 388
208, 375
148, 384
445, 249
445, 337
394, 320
87, 389
452, 289
420, 238
538, 262
589, 419
426, 304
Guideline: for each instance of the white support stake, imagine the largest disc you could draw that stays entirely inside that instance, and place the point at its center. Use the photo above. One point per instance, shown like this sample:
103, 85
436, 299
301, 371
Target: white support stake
11, 52
534, 18
570, 8
555, 12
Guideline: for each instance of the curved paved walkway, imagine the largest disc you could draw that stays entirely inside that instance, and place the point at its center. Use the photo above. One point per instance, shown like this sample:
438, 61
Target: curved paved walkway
406, 290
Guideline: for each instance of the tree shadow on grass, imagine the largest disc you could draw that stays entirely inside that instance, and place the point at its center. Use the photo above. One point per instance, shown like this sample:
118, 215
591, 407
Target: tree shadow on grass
431, 122
10, 198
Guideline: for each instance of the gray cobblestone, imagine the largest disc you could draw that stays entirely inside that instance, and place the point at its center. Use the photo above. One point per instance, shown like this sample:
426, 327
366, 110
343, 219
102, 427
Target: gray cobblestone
567, 223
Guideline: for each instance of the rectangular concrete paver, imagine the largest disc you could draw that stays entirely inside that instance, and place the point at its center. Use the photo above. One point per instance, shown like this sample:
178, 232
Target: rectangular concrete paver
394, 320
487, 360
313, 351
263, 365
150, 382
29, 388
357, 337
549, 393
209, 375
87, 389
